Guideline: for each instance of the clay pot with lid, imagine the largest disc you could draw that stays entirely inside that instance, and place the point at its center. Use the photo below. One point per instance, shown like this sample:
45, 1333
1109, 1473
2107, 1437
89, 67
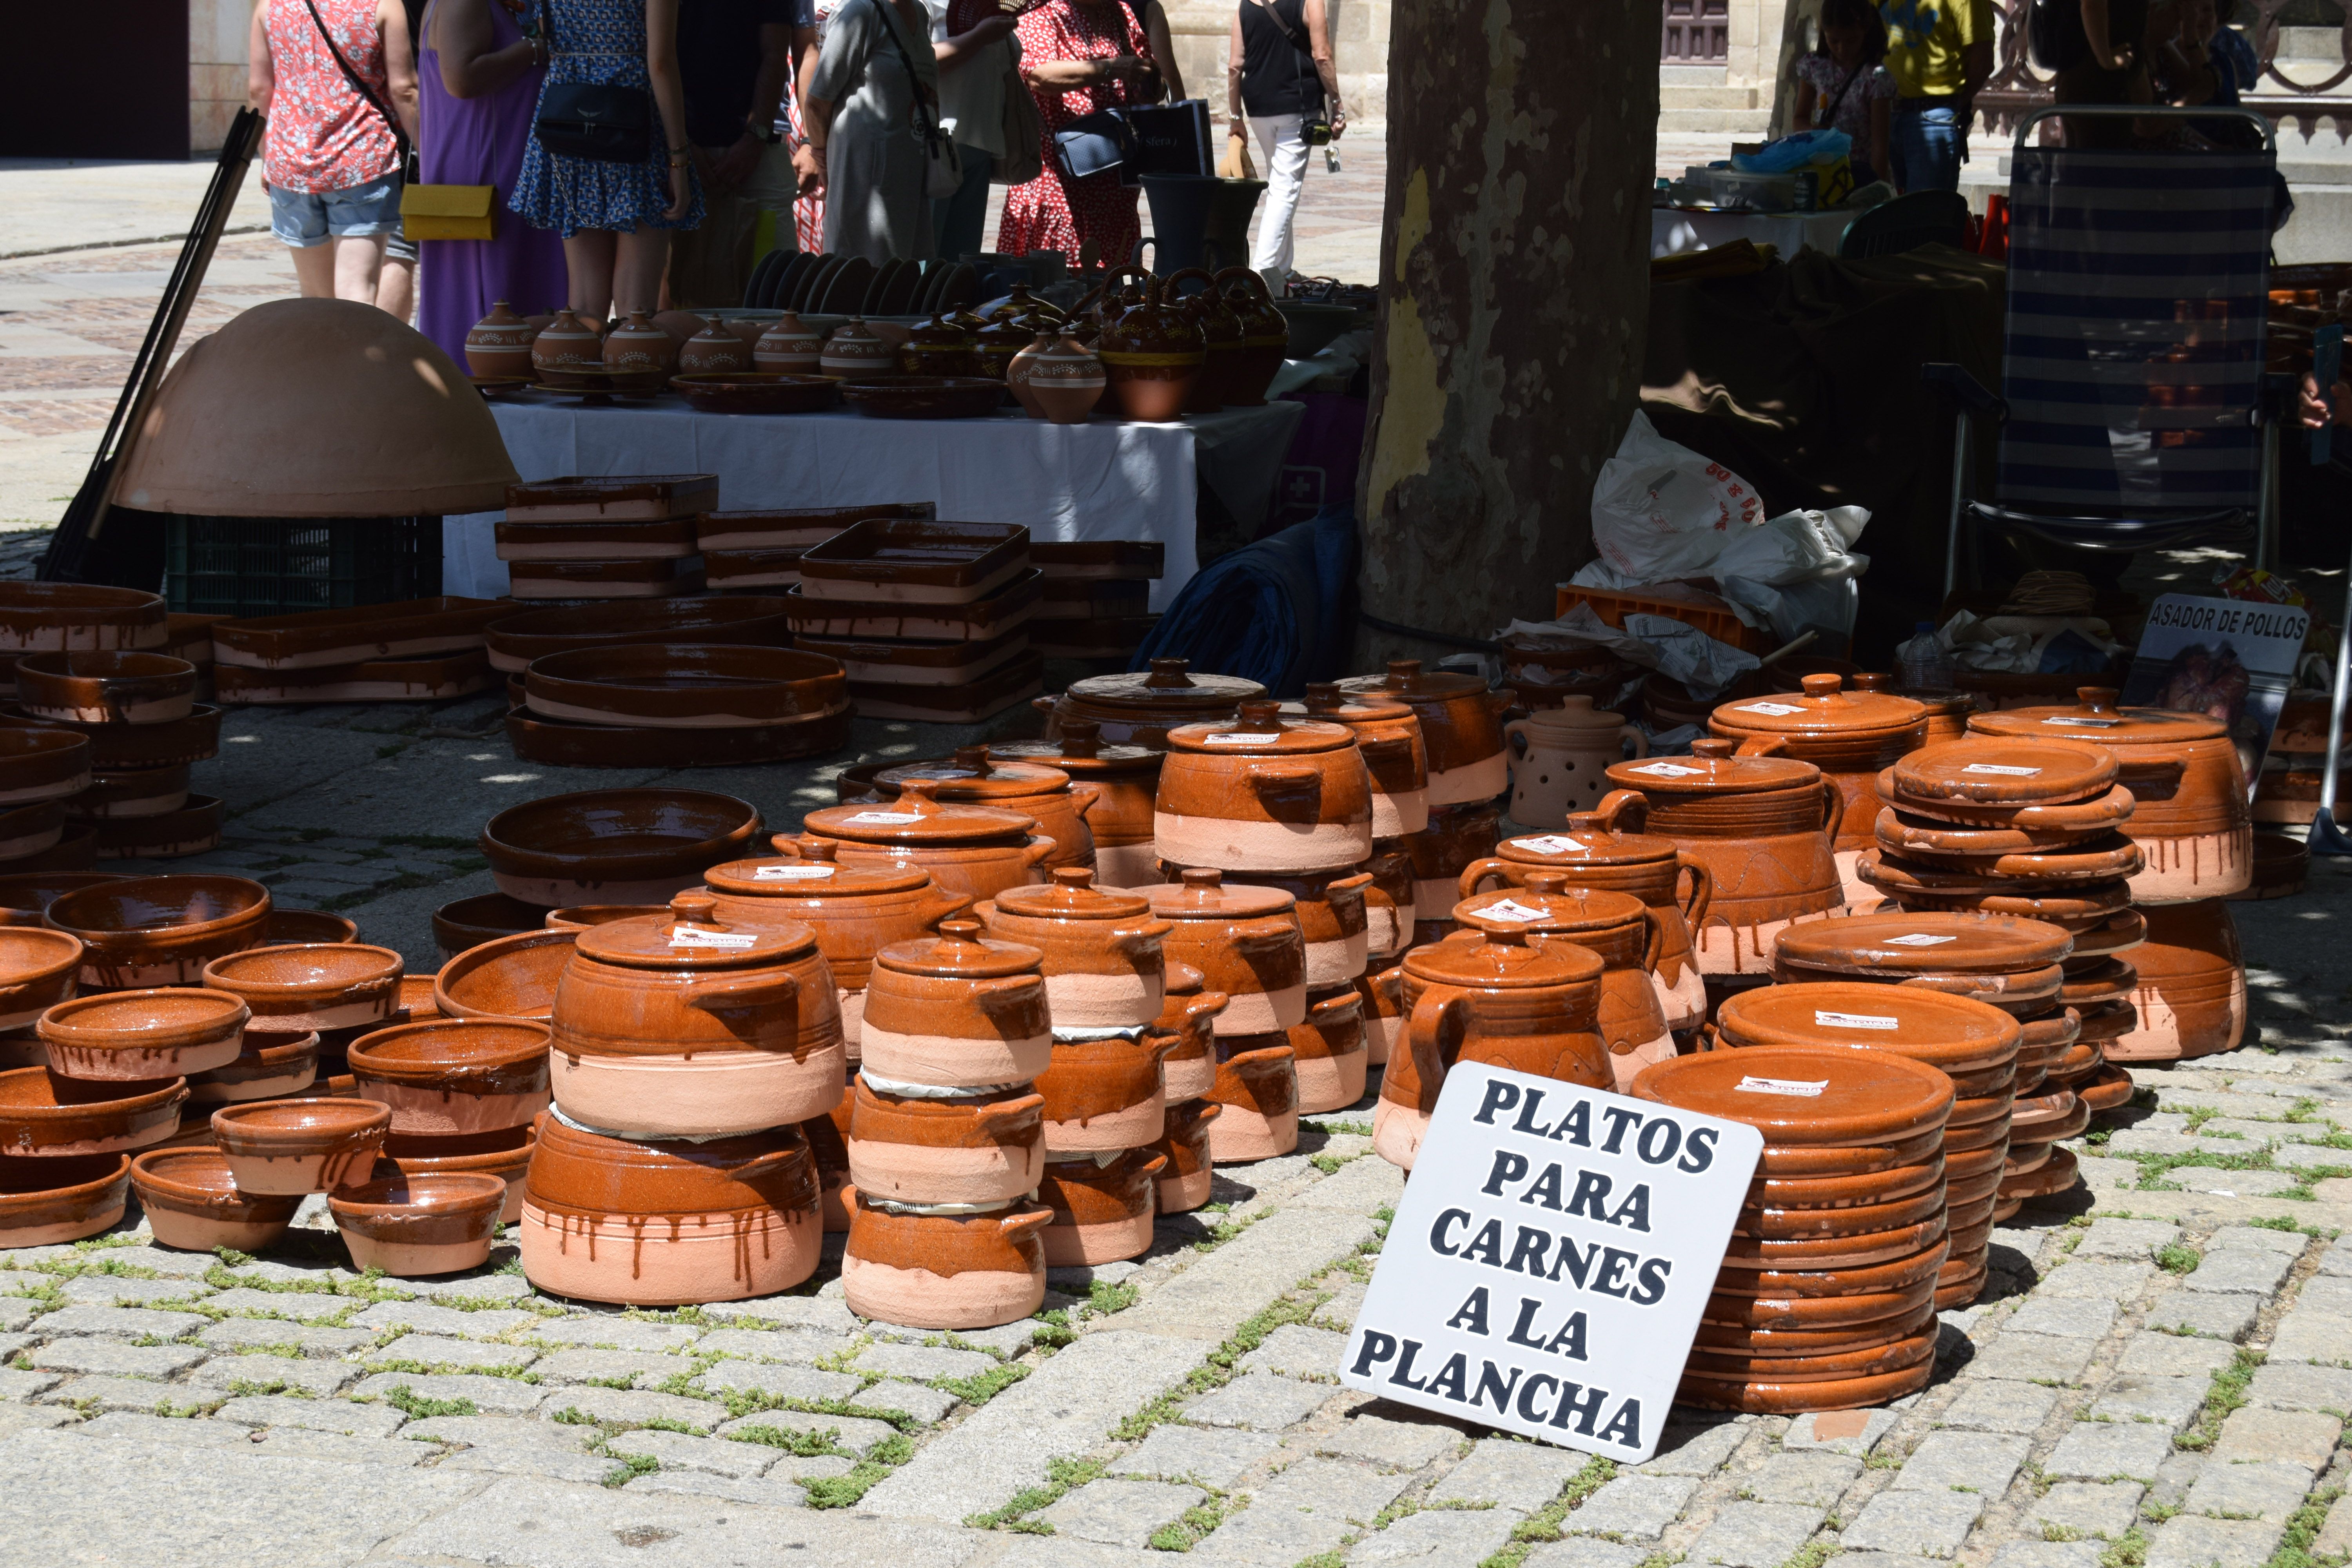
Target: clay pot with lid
974, 851
973, 777
944, 1270
566, 342
929, 1148
996, 345
1190, 1013
1388, 735
1221, 332
653, 1224
787, 348
1948, 709
1562, 759
1126, 778
1103, 1207
714, 350
1261, 795
1257, 1088
958, 1012
1329, 1052
192, 1203
159, 931
1461, 729
685, 1026
1616, 928
297, 1146
1104, 1090
143, 1035
1139, 708
1849, 735
498, 347
1154, 354
1266, 336
455, 1076
637, 344
1457, 838
1104, 967
938, 347
1244, 941
1333, 912
1186, 1181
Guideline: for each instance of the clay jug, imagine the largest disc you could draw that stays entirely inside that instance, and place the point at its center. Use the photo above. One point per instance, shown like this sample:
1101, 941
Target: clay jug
567, 343
1560, 762
787, 348
714, 350
1266, 336
498, 346
1222, 330
1066, 382
1021, 365
1152, 354
637, 344
938, 347
855, 350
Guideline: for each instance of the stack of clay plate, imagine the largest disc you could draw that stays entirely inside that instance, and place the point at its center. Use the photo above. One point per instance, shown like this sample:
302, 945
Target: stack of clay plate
191, 639
416, 650
759, 552
1826, 1300
620, 536
670, 705
914, 575
144, 813
1097, 595
40, 770
517, 639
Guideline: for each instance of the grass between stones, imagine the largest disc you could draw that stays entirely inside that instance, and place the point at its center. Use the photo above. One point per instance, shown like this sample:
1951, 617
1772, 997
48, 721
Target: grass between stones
2130, 1550
1197, 1522
1062, 1476
409, 1403
1544, 1524
2303, 1527
2225, 1394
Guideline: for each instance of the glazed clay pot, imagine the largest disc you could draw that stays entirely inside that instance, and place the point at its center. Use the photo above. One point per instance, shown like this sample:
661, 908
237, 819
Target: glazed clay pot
654, 1224
681, 1025
268, 1067
1258, 1087
974, 851
1139, 708
1016, 372
498, 347
1102, 1213
1562, 761
637, 344
449, 1076
506, 1155
324, 986
415, 1226
1126, 778
855, 349
1849, 735
44, 1115
971, 777
159, 931
1221, 332
1457, 838
1104, 1091
1329, 1054
957, 1012
1616, 928
986, 1148
38, 969
567, 342
1391, 904
1244, 941
1388, 736
1460, 728
787, 348
192, 1203
1062, 380
944, 1271
2190, 990
1103, 967
1153, 354
1190, 1069
1261, 794
938, 347
143, 1035
714, 350
1266, 336
44, 1203
1382, 996
828, 1141
997, 345
1186, 1180
1333, 917
296, 1146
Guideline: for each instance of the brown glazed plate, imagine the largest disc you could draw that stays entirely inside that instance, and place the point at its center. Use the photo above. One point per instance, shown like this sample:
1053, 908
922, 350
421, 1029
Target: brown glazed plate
2111, 1089
1952, 1033
1740, 1309
968, 704
377, 680
564, 743
1885, 1356
795, 528
895, 558
1131, 559
976, 620
718, 687
412, 629
1903, 943
925, 396
1979, 771
1804, 1095
1832, 1251
518, 639
757, 391
1721, 1343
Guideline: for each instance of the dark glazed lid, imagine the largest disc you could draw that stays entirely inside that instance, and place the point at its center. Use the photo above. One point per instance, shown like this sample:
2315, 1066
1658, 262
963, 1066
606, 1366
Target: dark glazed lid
958, 953
1823, 708
1711, 769
814, 875
918, 817
1407, 682
692, 936
1259, 732
1334, 704
2095, 718
972, 775
1081, 753
1167, 689
1916, 943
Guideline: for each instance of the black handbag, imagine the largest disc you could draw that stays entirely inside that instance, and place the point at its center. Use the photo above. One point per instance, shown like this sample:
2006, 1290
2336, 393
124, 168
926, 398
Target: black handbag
1095, 144
603, 122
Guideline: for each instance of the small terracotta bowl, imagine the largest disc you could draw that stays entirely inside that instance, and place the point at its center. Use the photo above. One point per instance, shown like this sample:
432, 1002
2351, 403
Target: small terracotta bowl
453, 1075
412, 1226
299, 1146
38, 971
47, 1116
106, 688
297, 928
469, 923
160, 931
512, 977
579, 917
505, 1155
45, 1201
135, 1036
192, 1203
268, 1067
314, 985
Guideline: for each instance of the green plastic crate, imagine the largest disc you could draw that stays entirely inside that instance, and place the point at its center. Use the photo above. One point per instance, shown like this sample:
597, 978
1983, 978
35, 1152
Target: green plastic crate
245, 566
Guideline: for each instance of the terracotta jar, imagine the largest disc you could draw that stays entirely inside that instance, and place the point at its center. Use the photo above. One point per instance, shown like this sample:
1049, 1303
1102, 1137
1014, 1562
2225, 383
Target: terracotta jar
1139, 708
1266, 336
1382, 996
1104, 967
1102, 1206
938, 347
996, 345
1063, 381
637, 344
311, 985
787, 348
1260, 794
1562, 759
44, 1203
855, 349
2197, 830
43, 1115
143, 1036
1332, 914
1244, 941
828, 1141
929, 1148
415, 1227
567, 342
1329, 1053
1126, 778
958, 1012
192, 1203
1185, 1181
1190, 1069
855, 910
1849, 735
159, 931
1390, 902
1017, 367
498, 347
1948, 709
1257, 1084
714, 350
682, 1026
2190, 987
1222, 333
972, 851
972, 777
449, 1076
1460, 728
1104, 1090
944, 1270
1153, 354
1616, 928
651, 1224
296, 1146
1457, 838
1388, 736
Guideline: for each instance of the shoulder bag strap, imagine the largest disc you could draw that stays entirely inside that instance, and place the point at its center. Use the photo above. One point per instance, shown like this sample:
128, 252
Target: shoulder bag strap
1829, 115
390, 121
927, 119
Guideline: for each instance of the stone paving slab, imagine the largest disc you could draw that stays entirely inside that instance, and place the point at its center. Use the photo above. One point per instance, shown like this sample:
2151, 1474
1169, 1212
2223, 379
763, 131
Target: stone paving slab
1121, 1513
1217, 1456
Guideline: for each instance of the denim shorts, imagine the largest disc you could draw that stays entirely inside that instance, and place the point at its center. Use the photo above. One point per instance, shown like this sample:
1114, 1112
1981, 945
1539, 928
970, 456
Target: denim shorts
302, 220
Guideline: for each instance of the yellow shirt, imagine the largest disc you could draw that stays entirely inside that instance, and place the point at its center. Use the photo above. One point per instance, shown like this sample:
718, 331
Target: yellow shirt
1925, 41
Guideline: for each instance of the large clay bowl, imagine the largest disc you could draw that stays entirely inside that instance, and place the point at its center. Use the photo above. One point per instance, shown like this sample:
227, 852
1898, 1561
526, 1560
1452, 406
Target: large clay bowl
579, 917
689, 688
42, 765
505, 1155
38, 971
515, 642
143, 1035
46, 1116
192, 1203
27, 895
133, 792
469, 922
112, 688
299, 1146
454, 1076
46, 1201
413, 1227
513, 977
268, 1067
321, 985
615, 846
31, 829
297, 928
160, 931
39, 617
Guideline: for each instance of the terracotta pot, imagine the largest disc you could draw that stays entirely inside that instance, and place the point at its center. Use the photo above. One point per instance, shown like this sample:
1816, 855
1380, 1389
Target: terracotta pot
324, 986
1849, 735
1000, 342
1390, 902
986, 1148
1266, 336
1246, 943
141, 1037
566, 342
1457, 838
1388, 736
1261, 795
637, 344
974, 851
1461, 727
1140, 708
1186, 1181
192, 1203
44, 1203
1333, 917
714, 350
1061, 381
787, 348
957, 1012
1257, 1084
1103, 964
828, 1141
682, 1026
1222, 332
1329, 1053
159, 931
505, 1155
112, 688
1562, 757
1102, 1213
454, 1076
498, 347
1104, 1091
1017, 367
1153, 355
853, 349
615, 846
268, 1067
1125, 778
1616, 928
973, 777
2190, 989
297, 1146
938, 347
1382, 996
415, 1226
654, 1224
1190, 1069
38, 970
44, 1114
944, 1271
23, 896
42, 764
514, 977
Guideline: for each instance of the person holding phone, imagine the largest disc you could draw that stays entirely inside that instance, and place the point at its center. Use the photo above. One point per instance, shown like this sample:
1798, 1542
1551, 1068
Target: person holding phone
1280, 78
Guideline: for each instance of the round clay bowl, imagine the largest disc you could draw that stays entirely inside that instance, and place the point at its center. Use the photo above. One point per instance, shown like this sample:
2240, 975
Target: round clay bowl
268, 1067
579, 917
1868, 1096
192, 1203
1774, 1398
46, 1201
1743, 1310
615, 846
298, 927
38, 971
413, 1227
42, 765
454, 1076
25, 896
319, 985
1855, 1279
505, 1155
143, 1035
44, 1115
160, 931
108, 687
512, 977
469, 922
299, 1146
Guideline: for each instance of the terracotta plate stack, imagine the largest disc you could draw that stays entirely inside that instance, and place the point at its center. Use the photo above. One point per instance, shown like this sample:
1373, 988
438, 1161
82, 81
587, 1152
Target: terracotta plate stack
1826, 1297
679, 705
759, 551
309, 1002
1097, 602
417, 651
144, 813
64, 1169
623, 536
749, 620
951, 649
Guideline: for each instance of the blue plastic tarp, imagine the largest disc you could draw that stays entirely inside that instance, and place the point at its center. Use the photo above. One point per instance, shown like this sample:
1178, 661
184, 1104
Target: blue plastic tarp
1279, 612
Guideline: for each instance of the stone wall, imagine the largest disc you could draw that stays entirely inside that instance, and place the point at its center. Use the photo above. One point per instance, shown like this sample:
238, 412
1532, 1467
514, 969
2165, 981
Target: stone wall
217, 38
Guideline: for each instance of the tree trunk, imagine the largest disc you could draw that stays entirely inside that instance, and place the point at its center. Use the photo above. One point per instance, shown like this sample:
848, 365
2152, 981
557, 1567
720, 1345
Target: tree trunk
1514, 252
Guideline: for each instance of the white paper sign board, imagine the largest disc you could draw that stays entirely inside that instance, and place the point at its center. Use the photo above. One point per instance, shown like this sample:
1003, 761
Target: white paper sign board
1545, 1271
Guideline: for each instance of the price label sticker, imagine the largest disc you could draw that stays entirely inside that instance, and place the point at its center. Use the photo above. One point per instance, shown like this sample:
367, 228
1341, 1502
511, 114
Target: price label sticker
726, 941
1799, 1089
1920, 939
1776, 710
1512, 910
2003, 769
1551, 843
887, 819
792, 873
1237, 738
1853, 1021
2086, 723
1669, 770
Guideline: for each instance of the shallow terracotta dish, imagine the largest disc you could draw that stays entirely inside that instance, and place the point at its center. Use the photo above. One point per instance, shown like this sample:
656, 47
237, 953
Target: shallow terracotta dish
191, 829
160, 931
46, 1201
567, 744
431, 679
1007, 686
757, 391
39, 617
192, 1203
116, 747
42, 765
299, 1146
924, 396
920, 561
978, 620
944, 1271
454, 1076
516, 641
579, 917
112, 688
313, 985
615, 846
504, 1154
686, 688
1865, 1098
268, 1067
133, 792
413, 1227
316, 639
43, 1115
141, 1037
469, 922
38, 971
509, 977
297, 928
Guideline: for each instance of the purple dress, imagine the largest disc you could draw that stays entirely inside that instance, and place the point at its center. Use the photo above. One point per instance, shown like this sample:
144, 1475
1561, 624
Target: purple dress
481, 141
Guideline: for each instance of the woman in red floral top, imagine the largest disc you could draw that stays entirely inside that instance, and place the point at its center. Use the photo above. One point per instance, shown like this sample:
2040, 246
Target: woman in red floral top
1079, 57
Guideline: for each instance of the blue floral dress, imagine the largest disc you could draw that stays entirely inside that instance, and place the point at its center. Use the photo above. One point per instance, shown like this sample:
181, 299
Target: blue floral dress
600, 41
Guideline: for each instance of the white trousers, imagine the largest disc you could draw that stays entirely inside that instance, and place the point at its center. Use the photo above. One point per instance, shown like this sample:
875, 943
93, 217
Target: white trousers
1284, 152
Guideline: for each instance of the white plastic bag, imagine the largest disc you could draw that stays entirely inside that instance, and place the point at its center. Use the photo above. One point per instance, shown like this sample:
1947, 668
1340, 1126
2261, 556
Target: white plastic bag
1662, 510
1672, 647
1796, 571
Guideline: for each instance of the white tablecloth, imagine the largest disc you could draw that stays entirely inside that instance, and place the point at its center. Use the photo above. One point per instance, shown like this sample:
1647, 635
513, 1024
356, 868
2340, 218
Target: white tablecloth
1105, 479
1674, 230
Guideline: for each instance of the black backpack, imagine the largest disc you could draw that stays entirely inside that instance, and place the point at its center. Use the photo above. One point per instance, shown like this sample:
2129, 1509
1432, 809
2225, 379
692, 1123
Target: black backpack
2055, 32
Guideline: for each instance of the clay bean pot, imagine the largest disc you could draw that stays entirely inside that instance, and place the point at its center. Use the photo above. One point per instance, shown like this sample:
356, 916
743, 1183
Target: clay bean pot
1104, 1091
1140, 708
1948, 709
464, 924
112, 688
324, 986
1266, 336
944, 1270
637, 344
505, 1155
1382, 996
38, 969
1562, 755
1849, 735
159, 931
498, 347
1457, 838
1126, 778
1190, 1013
652, 1223
615, 846
1244, 941
1003, 341
714, 350
1018, 364
1102, 1213
297, 1146
971, 777
1257, 1084
1616, 928
986, 1148
567, 342
1333, 917
415, 1226
1062, 382
44, 1114
454, 1076
958, 1012
192, 1203
1390, 902
853, 350
1104, 967
143, 1036
682, 1026
1262, 794
1329, 1053
1461, 729
787, 348
1153, 354
938, 347
511, 977
1388, 736
974, 851
44, 1203
268, 1067
2190, 990
1186, 1180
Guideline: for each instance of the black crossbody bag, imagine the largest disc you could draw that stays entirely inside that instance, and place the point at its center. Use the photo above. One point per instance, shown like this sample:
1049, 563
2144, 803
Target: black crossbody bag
603, 122
406, 149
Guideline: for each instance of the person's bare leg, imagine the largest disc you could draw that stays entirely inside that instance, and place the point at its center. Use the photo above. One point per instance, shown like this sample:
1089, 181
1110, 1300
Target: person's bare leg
396, 289
359, 257
588, 258
643, 258
314, 269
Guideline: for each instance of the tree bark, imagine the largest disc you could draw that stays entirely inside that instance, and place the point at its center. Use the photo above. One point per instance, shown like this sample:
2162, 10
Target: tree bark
1515, 254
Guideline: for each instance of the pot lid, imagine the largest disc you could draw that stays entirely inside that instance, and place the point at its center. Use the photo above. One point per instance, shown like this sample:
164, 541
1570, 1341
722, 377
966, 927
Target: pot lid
1407, 682
1503, 960
1081, 753
1936, 700
1576, 712
1795, 1094
813, 875
1331, 703
1548, 904
1204, 895
692, 936
1912, 943
972, 775
1711, 769
916, 817
1167, 688
958, 953
2095, 718
1823, 708
2036, 770
1932, 1026
1259, 732
1072, 896
1577, 847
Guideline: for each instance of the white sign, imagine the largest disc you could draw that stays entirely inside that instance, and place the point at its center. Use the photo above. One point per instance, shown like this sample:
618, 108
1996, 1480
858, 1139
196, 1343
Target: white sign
893, 818
2003, 769
1855, 1020
731, 940
1238, 738
1776, 710
1791, 1088
791, 873
1919, 939
1556, 844
2072, 722
1512, 910
1668, 771
1548, 1263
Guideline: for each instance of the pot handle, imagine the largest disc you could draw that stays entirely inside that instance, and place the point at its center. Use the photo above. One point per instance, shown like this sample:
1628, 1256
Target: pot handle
1160, 1042
1007, 1110
1083, 797
1479, 872
1515, 739
1762, 746
1657, 925
1385, 746
953, 905
1610, 813
1354, 883
1832, 807
745, 990
1043, 704
1710, 1039
1022, 1224
1039, 848
1421, 1031
1264, 934
1295, 781
1502, 700
1005, 991
1203, 1004
1210, 1110
1338, 1003
1263, 1054
1153, 1166
1702, 891
762, 1164
1641, 741
1149, 931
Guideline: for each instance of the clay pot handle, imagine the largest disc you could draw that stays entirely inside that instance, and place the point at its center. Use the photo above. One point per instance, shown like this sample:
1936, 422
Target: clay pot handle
1385, 746
1762, 746
742, 991
1206, 1004
1265, 934
1039, 848
1335, 1004
1083, 797
952, 905
1160, 1042
1153, 1166
1354, 883
1259, 1056
1610, 812
1710, 1039
1281, 783
2154, 773
1832, 807
1515, 739
1702, 891
1145, 935
763, 1165
1476, 873
1210, 1110
1501, 700
1657, 924
1022, 1224
1390, 982
1007, 1110
1043, 704
1004, 992
1641, 741
1421, 1031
